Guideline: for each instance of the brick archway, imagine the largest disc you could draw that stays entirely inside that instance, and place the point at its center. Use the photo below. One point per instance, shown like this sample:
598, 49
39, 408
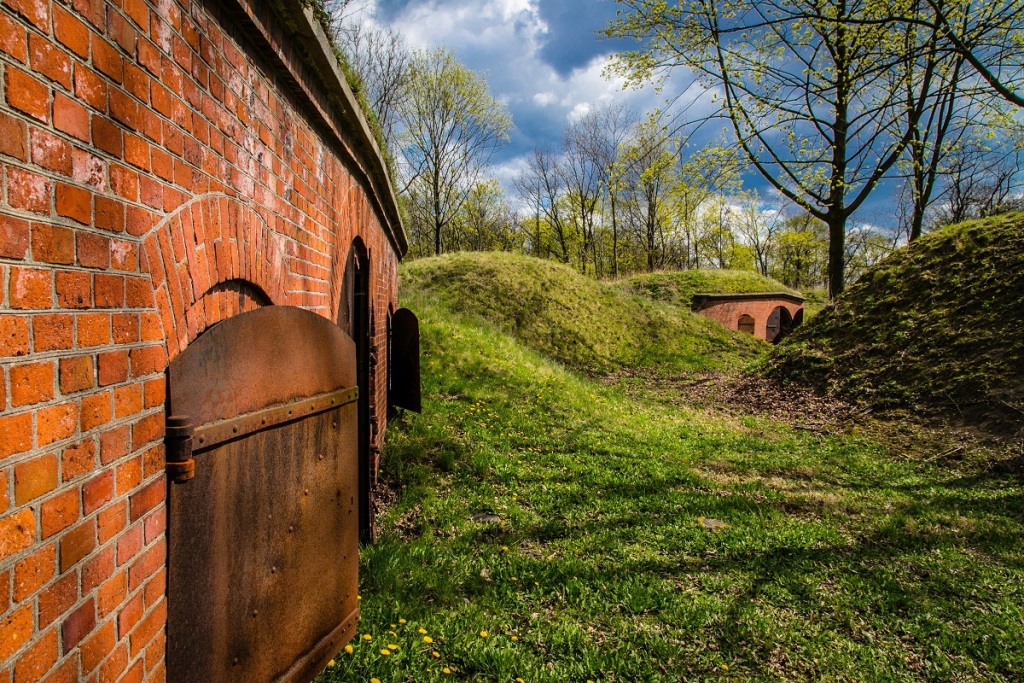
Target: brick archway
212, 258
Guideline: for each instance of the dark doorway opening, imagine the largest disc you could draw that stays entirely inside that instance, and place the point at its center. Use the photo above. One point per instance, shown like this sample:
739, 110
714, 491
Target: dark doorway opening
746, 324
780, 323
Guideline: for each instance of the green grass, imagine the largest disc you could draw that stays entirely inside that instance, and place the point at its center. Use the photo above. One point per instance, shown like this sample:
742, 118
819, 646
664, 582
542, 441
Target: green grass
840, 562
936, 326
585, 324
678, 287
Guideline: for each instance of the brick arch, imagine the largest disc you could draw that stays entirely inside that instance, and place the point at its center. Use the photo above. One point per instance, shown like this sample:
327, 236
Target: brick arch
212, 258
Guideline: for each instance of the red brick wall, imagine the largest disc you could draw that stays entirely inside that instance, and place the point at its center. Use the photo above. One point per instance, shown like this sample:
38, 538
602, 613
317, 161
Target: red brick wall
161, 169
728, 312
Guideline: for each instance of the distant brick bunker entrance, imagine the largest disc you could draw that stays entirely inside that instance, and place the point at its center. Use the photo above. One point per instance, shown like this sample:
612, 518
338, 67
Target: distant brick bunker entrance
767, 315
165, 165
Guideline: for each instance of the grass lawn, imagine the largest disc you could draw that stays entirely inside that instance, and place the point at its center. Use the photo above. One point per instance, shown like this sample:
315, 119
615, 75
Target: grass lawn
840, 562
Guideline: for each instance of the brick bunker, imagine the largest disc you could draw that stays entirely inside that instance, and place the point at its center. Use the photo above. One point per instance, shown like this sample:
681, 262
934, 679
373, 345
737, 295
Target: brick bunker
766, 315
166, 165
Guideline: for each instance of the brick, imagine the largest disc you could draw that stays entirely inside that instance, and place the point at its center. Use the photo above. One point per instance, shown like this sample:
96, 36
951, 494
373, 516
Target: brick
111, 521
129, 544
114, 444
123, 108
124, 255
153, 461
34, 572
57, 598
155, 391
74, 289
12, 39
114, 665
96, 647
13, 135
17, 532
108, 291
17, 629
53, 244
14, 336
31, 383
130, 614
78, 460
76, 544
97, 569
93, 10
95, 411
37, 660
109, 214
125, 327
34, 478
55, 423
139, 294
135, 673
28, 95
113, 367
74, 203
137, 82
107, 59
148, 498
97, 492
150, 625
29, 191
14, 232
93, 329
93, 250
129, 475
147, 360
5, 503
156, 524
147, 430
151, 327
49, 60
38, 13
127, 400
76, 374
31, 288
15, 434
90, 88
89, 169
107, 136
70, 32
78, 625
65, 673
59, 512
53, 332
70, 117
111, 594
136, 151
50, 151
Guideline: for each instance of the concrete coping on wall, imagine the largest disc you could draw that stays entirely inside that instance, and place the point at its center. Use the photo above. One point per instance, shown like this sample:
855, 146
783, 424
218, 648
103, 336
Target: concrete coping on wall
703, 300
302, 27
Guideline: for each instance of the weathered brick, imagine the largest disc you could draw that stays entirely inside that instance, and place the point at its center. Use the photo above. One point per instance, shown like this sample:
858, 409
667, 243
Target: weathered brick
55, 423
31, 383
130, 614
14, 336
53, 244
59, 512
109, 291
107, 59
78, 460
57, 598
147, 430
150, 625
109, 214
97, 492
114, 444
127, 400
34, 572
91, 88
36, 12
14, 232
34, 478
53, 332
114, 664
48, 59
95, 411
38, 659
97, 569
93, 329
148, 498
17, 532
29, 191
96, 647
76, 544
12, 39
125, 327
153, 461
31, 288
112, 520
74, 203
147, 360
27, 94
129, 475
93, 250
15, 434
111, 594
76, 374
17, 629
156, 524
71, 32
74, 289
113, 367
107, 136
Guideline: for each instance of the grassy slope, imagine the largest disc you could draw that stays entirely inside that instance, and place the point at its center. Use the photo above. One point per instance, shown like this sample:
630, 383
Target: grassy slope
678, 287
840, 563
934, 325
574, 319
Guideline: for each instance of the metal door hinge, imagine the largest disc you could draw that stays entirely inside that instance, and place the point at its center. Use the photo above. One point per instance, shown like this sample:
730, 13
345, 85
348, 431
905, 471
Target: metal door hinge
178, 444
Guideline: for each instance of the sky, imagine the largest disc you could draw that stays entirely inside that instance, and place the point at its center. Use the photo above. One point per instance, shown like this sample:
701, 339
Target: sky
545, 60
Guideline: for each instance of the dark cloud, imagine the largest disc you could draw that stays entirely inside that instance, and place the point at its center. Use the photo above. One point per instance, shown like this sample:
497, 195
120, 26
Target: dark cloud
574, 28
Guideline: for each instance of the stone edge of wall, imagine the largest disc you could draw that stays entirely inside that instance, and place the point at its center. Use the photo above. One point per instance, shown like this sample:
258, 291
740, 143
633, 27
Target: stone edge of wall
302, 26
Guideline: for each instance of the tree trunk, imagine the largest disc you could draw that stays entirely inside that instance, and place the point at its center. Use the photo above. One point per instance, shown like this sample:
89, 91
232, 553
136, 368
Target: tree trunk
836, 222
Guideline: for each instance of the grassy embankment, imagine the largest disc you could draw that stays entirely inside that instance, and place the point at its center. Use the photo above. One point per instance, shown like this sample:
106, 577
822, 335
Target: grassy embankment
840, 562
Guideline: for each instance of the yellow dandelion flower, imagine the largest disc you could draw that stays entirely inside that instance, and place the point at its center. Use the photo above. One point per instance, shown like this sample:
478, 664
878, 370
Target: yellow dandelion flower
349, 649
435, 654
394, 626
515, 578
392, 634
330, 663
401, 621
446, 670
385, 651
519, 680
725, 667
392, 646
504, 548
374, 680
359, 597
423, 631
367, 637
515, 639
483, 634
427, 639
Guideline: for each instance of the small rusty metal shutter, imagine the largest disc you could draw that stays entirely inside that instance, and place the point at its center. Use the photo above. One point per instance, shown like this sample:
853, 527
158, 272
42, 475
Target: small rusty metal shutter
746, 324
263, 538
404, 373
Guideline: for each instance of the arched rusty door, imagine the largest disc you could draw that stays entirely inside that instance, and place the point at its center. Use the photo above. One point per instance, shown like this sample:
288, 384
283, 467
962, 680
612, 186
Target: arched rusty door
263, 539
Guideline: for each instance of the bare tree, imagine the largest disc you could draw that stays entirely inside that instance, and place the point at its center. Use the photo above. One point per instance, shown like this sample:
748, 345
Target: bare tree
759, 225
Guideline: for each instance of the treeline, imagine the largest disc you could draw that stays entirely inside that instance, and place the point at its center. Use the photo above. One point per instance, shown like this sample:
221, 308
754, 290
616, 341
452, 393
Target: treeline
627, 192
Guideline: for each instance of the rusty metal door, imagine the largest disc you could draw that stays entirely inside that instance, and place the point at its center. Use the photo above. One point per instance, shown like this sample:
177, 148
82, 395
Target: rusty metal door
263, 520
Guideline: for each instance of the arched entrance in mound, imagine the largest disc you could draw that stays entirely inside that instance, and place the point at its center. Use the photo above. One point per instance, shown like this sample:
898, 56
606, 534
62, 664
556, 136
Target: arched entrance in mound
780, 323
746, 324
